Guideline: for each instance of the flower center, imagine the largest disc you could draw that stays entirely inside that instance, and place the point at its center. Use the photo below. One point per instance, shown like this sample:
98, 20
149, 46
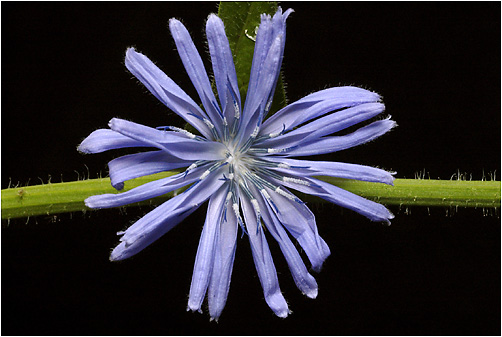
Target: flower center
237, 160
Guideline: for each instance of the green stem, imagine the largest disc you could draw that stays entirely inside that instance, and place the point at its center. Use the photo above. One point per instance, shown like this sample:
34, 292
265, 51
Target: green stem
48, 199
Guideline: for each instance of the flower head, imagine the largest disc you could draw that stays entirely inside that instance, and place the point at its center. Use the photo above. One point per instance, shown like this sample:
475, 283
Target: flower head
241, 163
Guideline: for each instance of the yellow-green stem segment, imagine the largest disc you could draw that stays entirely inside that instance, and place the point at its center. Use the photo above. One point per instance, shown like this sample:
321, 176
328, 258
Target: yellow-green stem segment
55, 198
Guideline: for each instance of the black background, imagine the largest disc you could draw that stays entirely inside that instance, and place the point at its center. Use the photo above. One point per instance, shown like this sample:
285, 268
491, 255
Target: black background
434, 271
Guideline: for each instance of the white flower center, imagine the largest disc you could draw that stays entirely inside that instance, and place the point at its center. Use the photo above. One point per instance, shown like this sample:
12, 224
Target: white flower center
238, 160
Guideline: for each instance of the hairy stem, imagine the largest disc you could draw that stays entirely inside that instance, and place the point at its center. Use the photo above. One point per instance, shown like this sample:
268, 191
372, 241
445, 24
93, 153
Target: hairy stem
54, 198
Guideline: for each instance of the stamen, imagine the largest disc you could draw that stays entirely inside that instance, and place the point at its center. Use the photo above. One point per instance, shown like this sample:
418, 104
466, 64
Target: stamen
235, 207
246, 190
204, 175
212, 169
195, 165
257, 150
290, 196
227, 199
287, 149
257, 213
268, 105
272, 135
258, 181
255, 132
251, 138
300, 181
261, 163
254, 202
229, 195
296, 181
217, 109
237, 111
225, 130
269, 199
208, 123
277, 134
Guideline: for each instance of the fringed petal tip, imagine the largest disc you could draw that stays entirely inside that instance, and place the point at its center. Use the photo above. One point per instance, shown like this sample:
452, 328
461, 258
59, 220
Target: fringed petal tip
388, 177
174, 26
112, 123
114, 256
89, 202
286, 14
383, 217
93, 143
173, 21
213, 19
391, 179
312, 293
391, 122
98, 201
82, 149
283, 313
391, 216
130, 51
194, 309
381, 214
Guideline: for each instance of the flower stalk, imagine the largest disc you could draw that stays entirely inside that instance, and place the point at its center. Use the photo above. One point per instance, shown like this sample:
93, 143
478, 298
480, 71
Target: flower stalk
55, 198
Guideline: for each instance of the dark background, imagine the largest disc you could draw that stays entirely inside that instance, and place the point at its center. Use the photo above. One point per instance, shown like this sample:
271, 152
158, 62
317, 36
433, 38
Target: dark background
434, 271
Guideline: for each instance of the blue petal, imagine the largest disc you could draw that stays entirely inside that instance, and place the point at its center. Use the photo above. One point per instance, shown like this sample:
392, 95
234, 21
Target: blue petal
226, 242
264, 38
146, 191
172, 142
300, 222
264, 263
279, 26
166, 91
338, 143
265, 70
316, 105
303, 280
223, 65
104, 139
325, 125
196, 71
163, 218
304, 168
268, 32
372, 210
156, 224
141, 164
257, 99
205, 253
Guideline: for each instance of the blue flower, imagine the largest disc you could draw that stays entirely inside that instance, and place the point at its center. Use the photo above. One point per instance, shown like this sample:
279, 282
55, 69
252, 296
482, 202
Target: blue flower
241, 163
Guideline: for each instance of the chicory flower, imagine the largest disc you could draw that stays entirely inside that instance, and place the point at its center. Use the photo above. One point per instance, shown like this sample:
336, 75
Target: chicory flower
241, 162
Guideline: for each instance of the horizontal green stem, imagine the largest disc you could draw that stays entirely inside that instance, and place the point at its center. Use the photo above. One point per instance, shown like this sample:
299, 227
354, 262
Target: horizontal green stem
425, 192
48, 199
54, 198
